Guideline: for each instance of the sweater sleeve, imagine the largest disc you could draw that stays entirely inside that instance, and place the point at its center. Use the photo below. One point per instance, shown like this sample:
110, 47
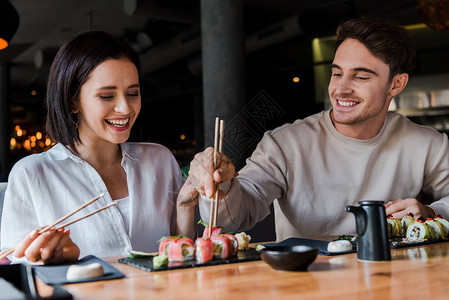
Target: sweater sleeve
436, 180
249, 196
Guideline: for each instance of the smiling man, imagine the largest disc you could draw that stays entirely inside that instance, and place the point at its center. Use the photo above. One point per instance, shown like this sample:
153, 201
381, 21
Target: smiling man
313, 168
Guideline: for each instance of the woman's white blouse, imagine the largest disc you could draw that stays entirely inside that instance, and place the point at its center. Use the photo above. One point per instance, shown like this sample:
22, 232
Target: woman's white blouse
46, 186
124, 209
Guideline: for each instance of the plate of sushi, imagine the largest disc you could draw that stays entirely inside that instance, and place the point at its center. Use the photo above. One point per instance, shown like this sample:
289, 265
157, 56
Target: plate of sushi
179, 252
410, 231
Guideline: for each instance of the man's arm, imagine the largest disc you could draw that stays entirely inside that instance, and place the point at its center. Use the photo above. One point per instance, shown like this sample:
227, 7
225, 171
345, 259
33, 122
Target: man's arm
435, 183
246, 199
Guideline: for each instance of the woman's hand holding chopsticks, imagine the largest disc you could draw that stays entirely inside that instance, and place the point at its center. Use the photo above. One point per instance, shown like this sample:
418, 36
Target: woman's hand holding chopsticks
52, 246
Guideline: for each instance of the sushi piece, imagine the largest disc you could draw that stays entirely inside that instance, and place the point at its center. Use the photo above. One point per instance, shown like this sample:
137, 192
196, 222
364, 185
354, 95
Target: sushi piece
215, 230
418, 230
203, 250
234, 243
437, 227
243, 240
389, 229
339, 246
395, 227
160, 261
163, 243
181, 249
445, 224
221, 247
81, 272
259, 247
406, 221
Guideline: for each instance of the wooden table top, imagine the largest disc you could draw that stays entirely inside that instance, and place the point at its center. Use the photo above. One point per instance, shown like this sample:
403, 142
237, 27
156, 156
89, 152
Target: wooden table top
413, 273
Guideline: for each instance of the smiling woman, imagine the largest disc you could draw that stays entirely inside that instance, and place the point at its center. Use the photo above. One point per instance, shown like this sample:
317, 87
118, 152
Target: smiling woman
109, 103
93, 100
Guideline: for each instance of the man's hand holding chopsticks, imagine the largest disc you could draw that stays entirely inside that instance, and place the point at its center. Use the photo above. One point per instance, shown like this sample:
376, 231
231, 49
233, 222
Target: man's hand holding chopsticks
203, 176
52, 246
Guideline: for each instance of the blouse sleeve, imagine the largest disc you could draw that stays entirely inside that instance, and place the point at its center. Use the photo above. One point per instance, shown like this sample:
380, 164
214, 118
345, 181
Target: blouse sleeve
19, 216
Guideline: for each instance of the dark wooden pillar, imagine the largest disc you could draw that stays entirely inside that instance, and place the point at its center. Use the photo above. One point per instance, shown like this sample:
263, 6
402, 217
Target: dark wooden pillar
223, 61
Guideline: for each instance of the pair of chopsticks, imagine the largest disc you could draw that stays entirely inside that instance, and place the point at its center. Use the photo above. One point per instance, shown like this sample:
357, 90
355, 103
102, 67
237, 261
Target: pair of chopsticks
218, 146
48, 227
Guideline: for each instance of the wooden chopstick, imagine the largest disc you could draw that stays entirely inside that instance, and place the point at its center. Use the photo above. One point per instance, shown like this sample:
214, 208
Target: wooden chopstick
88, 215
48, 227
220, 148
212, 202
70, 214
6, 253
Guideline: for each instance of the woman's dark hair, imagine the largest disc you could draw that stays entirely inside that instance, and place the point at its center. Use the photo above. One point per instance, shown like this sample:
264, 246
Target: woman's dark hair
70, 69
385, 39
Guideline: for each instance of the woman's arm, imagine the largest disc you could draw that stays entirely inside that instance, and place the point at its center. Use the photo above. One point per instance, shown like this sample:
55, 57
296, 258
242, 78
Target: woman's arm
185, 210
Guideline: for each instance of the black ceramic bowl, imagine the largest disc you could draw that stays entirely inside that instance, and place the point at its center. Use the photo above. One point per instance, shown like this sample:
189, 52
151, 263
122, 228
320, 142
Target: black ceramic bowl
289, 258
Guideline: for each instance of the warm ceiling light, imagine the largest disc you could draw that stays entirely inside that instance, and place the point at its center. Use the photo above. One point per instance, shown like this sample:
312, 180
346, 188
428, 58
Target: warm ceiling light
9, 22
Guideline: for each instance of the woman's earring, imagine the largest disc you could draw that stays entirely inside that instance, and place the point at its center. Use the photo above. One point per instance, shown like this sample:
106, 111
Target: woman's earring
76, 123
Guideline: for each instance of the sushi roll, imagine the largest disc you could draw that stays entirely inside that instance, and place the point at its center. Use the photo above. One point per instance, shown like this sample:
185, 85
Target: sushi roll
181, 249
163, 243
234, 243
221, 247
203, 250
394, 227
437, 227
418, 230
406, 221
215, 230
445, 224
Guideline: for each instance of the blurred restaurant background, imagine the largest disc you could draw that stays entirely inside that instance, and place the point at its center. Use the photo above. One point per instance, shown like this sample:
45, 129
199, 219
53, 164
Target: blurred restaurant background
256, 64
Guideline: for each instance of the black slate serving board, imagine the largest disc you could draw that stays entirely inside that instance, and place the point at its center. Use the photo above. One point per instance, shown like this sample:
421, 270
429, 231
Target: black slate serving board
321, 245
395, 242
56, 274
146, 263
400, 242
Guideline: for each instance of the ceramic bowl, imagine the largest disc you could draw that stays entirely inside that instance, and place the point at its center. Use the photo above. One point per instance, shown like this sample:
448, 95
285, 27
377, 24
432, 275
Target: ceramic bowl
289, 258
